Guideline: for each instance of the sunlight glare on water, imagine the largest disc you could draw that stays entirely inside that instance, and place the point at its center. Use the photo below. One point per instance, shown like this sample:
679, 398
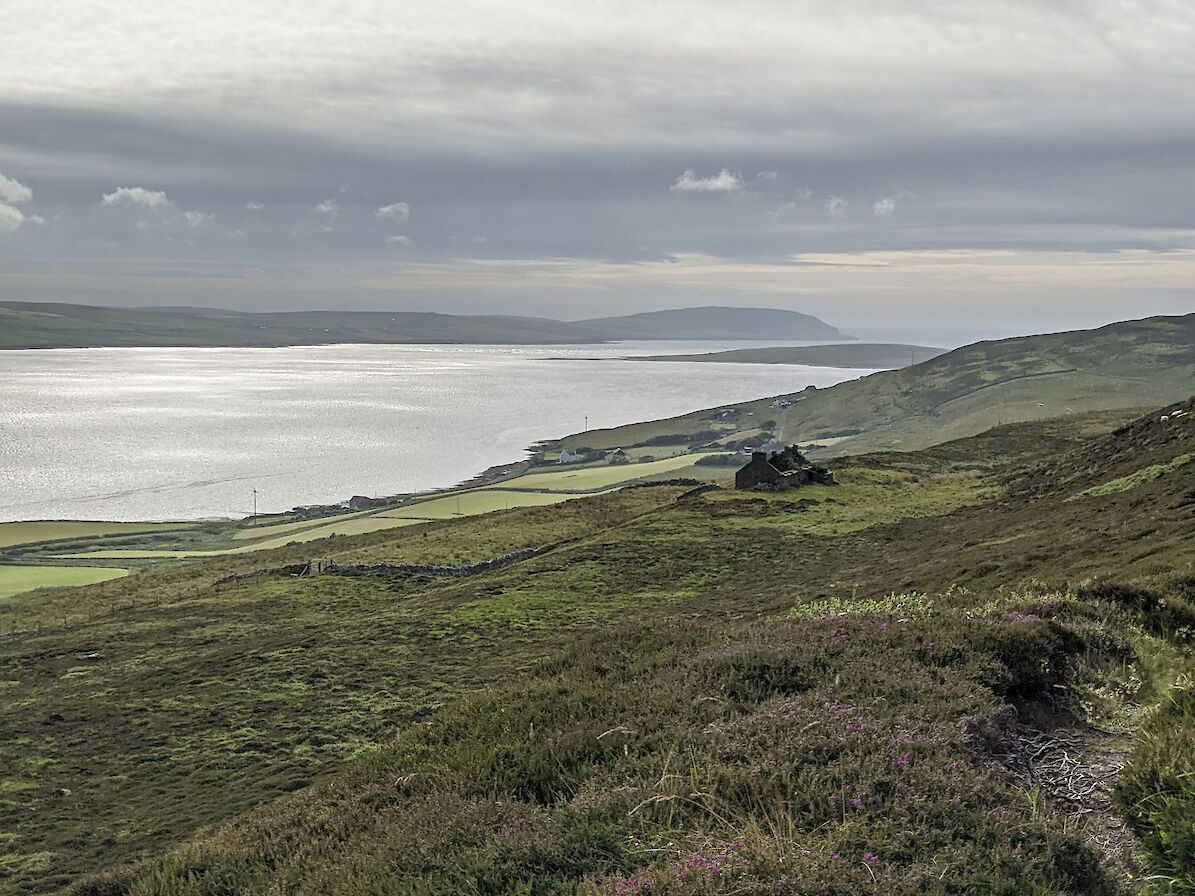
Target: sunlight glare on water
188, 433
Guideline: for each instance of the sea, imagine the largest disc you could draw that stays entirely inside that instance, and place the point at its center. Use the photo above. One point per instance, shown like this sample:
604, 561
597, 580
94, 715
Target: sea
198, 433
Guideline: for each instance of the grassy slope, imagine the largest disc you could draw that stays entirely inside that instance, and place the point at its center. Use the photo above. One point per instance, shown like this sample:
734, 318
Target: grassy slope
719, 715
857, 355
971, 389
44, 325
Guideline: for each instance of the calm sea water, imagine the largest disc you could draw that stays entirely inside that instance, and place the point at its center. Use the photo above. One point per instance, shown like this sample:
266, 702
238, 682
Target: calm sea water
188, 433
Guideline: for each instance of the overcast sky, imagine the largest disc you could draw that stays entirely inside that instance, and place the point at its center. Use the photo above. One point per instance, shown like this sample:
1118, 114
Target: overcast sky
1011, 165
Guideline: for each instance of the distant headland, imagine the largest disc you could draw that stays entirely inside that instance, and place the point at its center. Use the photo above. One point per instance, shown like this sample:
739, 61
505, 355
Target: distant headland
26, 325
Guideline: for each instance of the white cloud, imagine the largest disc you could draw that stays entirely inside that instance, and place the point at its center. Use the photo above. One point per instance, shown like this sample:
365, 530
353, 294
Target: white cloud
10, 218
13, 192
886, 205
253, 206
329, 208
198, 219
136, 196
480, 240
235, 234
399, 239
836, 207
724, 181
396, 211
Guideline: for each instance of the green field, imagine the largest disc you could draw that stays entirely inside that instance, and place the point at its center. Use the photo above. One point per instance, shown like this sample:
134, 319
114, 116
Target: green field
589, 479
13, 534
250, 531
16, 580
467, 503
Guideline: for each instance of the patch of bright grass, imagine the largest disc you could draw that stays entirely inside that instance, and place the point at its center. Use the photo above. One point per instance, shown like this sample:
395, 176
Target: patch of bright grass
14, 534
16, 580
1140, 477
590, 479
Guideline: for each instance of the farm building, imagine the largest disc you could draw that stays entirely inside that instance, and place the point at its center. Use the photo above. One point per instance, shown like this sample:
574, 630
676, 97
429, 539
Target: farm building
780, 470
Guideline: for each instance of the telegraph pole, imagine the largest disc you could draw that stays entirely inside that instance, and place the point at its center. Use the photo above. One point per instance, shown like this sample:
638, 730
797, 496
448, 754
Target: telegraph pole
255, 504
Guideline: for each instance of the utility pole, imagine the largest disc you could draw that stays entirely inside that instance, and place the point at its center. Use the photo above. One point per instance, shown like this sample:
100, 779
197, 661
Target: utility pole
587, 423
255, 504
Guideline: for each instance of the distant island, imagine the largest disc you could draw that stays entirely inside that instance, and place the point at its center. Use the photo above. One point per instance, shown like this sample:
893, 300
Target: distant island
876, 355
25, 325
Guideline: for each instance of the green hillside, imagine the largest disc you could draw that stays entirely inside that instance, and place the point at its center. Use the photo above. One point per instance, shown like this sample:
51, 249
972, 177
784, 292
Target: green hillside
957, 394
923, 680
46, 325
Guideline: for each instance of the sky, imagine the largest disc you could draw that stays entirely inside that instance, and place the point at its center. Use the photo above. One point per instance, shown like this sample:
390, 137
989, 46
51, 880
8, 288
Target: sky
1001, 166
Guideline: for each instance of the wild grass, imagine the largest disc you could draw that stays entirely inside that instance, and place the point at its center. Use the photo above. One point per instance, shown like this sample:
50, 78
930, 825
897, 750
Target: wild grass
1157, 792
672, 756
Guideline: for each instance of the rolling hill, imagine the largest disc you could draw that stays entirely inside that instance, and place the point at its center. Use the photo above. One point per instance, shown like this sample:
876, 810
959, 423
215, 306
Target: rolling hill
45, 325
956, 394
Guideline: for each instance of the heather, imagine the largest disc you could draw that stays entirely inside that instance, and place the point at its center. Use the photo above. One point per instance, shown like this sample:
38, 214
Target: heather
926, 679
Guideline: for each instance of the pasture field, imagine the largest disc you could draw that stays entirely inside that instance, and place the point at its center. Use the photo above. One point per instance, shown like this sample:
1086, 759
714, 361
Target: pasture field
16, 580
14, 534
476, 501
591, 479
249, 531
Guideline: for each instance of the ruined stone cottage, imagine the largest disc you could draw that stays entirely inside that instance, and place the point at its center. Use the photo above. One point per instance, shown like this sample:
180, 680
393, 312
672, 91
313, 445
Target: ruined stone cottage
781, 470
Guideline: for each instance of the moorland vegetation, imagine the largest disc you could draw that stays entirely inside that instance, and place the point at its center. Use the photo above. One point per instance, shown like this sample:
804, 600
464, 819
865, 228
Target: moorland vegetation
963, 670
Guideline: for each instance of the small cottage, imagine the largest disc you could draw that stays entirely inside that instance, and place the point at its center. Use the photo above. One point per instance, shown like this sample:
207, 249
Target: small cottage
780, 470
567, 456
